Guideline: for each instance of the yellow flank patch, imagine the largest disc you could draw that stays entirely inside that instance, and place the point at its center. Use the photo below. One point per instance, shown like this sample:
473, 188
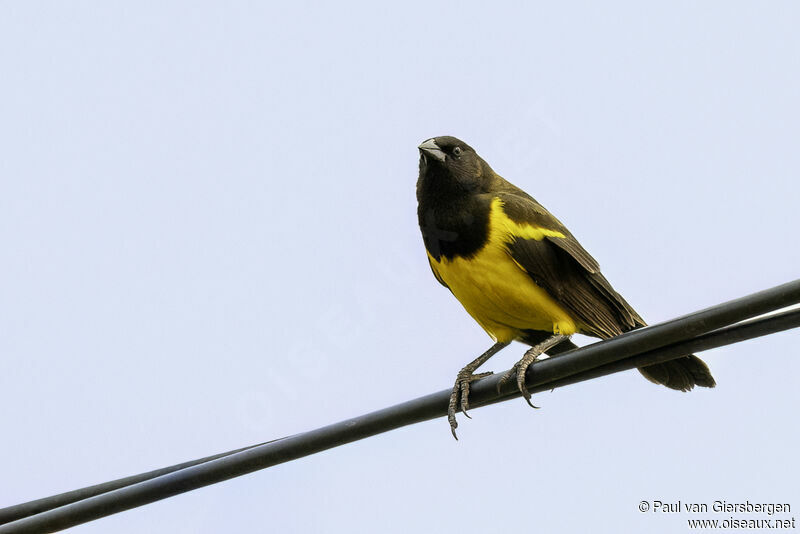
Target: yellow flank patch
502, 225
496, 291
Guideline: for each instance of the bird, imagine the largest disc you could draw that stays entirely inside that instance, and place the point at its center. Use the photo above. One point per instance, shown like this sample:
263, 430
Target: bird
518, 271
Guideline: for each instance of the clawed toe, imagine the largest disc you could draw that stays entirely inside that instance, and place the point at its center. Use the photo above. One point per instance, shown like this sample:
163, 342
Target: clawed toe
461, 392
521, 371
464, 378
505, 378
465, 382
521, 367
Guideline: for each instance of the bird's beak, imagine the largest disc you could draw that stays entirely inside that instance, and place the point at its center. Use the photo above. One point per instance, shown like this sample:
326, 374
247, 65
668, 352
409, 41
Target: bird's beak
430, 148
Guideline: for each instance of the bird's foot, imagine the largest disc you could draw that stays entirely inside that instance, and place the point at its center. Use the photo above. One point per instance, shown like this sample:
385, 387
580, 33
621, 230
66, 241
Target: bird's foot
519, 369
464, 378
461, 391
531, 356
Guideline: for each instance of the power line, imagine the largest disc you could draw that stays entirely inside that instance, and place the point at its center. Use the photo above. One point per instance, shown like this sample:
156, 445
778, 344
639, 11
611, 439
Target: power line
19, 511
702, 330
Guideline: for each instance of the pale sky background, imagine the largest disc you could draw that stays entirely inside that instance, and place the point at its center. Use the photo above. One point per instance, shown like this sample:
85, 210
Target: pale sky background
209, 239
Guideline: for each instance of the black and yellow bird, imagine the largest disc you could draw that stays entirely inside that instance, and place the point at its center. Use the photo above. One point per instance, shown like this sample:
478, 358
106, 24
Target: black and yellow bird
517, 270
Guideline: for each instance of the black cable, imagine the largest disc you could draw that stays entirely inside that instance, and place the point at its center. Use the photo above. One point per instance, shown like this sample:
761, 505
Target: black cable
649, 345
19, 511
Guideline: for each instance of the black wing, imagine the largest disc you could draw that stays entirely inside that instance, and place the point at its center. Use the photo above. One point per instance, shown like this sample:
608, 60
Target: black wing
563, 268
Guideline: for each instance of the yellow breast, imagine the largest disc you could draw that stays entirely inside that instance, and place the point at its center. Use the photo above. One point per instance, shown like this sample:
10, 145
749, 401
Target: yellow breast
496, 291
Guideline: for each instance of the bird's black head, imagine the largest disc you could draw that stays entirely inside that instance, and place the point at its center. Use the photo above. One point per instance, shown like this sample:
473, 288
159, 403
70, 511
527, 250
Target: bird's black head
449, 164
453, 213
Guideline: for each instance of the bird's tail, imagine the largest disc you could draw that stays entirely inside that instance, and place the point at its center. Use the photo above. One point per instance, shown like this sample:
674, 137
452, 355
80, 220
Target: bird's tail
682, 374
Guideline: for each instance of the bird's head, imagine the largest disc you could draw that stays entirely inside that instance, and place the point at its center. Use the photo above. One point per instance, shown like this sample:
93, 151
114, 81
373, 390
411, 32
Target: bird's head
447, 163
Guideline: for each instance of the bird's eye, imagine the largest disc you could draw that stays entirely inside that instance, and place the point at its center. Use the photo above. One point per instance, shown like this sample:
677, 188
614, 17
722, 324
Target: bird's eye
457, 151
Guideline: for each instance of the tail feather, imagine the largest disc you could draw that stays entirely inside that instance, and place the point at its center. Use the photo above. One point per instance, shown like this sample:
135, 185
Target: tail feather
681, 374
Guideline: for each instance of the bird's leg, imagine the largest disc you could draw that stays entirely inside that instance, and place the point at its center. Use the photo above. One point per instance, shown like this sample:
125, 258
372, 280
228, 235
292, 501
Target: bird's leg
530, 356
463, 379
